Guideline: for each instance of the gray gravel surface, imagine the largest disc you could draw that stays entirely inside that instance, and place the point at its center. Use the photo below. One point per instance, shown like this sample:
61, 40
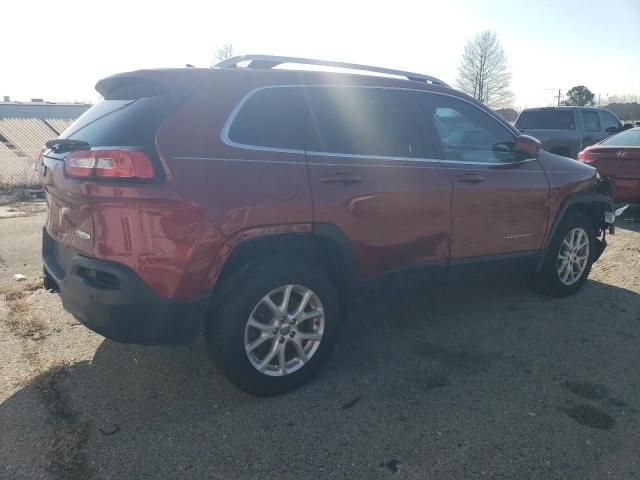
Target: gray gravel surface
20, 240
483, 380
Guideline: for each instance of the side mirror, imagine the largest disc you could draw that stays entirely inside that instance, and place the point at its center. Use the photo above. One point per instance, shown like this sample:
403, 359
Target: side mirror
626, 126
614, 129
527, 147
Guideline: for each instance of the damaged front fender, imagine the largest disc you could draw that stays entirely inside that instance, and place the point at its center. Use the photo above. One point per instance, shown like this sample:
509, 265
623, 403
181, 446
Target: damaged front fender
598, 206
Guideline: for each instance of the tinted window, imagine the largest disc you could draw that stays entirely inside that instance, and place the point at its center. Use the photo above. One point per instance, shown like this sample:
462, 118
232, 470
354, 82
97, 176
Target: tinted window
466, 132
591, 121
272, 117
609, 121
363, 121
122, 122
628, 138
546, 120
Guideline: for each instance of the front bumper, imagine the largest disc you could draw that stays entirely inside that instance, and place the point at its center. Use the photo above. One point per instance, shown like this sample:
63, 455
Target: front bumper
113, 301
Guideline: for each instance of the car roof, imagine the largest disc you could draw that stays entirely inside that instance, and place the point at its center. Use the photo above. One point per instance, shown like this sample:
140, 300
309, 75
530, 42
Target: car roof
277, 76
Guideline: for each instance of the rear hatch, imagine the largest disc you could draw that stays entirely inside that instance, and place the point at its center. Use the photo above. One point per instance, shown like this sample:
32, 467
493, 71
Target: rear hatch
101, 216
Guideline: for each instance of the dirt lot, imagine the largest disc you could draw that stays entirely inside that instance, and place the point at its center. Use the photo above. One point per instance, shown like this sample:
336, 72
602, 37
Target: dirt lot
484, 380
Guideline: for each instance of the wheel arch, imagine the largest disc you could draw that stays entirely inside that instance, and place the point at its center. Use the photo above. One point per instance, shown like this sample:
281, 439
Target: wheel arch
323, 245
593, 206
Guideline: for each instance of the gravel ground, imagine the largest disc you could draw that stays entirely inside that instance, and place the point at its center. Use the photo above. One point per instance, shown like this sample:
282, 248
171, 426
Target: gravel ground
484, 380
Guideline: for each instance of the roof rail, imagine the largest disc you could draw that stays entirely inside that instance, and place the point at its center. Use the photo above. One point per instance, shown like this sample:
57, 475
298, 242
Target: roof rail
267, 62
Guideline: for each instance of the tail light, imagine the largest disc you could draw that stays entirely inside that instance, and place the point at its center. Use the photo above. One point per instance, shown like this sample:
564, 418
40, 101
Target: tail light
127, 164
586, 156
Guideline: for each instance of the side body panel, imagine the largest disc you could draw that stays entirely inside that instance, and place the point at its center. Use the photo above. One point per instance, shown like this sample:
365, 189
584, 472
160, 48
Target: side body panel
507, 212
398, 216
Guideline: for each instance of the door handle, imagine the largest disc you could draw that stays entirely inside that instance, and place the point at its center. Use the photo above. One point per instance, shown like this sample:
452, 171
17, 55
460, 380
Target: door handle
343, 178
471, 178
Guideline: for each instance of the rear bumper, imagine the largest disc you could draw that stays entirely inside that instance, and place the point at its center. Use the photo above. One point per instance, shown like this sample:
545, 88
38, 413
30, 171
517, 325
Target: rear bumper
113, 301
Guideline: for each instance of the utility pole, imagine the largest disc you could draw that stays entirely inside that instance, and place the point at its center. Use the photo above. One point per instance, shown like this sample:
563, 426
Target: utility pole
559, 96
600, 99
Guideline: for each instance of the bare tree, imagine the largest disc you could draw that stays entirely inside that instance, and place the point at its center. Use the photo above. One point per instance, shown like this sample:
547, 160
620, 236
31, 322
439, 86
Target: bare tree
484, 73
225, 51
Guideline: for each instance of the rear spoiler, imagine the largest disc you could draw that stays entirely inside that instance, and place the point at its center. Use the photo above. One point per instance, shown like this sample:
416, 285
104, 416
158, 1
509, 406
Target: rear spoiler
125, 87
151, 83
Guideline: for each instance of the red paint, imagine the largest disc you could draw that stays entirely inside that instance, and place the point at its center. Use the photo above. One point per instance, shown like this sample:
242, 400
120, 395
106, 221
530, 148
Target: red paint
621, 165
231, 243
506, 212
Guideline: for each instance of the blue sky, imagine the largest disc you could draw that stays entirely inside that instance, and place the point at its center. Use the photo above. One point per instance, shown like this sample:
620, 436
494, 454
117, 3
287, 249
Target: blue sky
58, 50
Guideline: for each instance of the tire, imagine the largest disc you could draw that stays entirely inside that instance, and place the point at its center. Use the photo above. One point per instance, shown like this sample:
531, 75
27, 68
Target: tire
307, 343
562, 278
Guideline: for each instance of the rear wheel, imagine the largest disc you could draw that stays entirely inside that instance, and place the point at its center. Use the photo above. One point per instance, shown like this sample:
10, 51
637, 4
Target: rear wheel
569, 257
276, 328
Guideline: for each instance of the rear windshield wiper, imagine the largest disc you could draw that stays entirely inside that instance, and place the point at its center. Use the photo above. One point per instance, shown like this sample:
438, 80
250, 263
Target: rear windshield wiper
62, 145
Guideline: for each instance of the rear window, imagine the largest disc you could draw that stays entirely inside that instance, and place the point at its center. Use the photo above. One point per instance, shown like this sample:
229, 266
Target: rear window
272, 118
628, 138
122, 122
546, 120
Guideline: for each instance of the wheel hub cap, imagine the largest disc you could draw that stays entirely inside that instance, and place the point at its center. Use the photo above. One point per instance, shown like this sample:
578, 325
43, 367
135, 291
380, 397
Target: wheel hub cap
284, 330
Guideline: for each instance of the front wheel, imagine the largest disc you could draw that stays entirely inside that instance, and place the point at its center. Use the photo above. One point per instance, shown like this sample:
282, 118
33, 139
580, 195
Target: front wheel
569, 257
276, 328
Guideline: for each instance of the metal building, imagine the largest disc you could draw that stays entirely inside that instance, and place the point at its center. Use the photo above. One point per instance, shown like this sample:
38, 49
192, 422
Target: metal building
24, 128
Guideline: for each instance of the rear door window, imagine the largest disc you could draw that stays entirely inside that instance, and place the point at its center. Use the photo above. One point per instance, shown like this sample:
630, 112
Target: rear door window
372, 122
273, 118
591, 121
546, 120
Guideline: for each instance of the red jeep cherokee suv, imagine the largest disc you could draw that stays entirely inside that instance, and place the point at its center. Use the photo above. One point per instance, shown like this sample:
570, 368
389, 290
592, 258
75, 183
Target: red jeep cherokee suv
254, 200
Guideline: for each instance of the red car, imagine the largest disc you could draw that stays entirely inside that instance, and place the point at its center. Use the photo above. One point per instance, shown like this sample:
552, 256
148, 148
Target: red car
618, 158
255, 202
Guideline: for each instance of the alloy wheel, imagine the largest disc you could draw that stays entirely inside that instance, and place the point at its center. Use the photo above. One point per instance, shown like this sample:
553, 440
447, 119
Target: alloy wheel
284, 330
573, 256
